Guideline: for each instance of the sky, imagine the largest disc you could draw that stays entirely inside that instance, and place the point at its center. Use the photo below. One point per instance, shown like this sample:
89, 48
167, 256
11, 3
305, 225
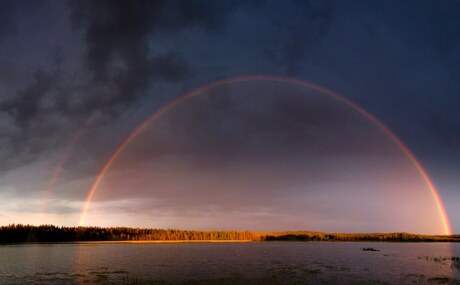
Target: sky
78, 77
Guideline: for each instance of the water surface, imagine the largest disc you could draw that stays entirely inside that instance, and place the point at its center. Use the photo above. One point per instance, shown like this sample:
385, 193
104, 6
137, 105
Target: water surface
230, 263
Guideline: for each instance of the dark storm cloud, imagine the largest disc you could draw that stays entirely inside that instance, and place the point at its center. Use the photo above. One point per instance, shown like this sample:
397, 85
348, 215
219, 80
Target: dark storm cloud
30, 129
126, 84
118, 34
25, 105
115, 39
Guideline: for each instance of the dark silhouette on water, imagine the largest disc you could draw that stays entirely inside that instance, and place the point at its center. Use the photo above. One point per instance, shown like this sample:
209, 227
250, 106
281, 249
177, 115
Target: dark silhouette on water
369, 249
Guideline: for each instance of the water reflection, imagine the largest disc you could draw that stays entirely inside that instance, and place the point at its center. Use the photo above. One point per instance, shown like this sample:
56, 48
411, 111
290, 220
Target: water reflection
230, 263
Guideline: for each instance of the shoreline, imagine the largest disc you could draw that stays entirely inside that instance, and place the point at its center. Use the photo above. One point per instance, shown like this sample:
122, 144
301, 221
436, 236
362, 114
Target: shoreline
52, 234
216, 241
156, 241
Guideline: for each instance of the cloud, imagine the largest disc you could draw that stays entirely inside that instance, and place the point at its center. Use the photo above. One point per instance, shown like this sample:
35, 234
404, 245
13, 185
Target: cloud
106, 67
25, 106
116, 47
118, 36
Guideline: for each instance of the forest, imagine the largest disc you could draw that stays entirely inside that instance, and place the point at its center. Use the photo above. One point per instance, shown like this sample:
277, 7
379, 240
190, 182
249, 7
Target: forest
17, 233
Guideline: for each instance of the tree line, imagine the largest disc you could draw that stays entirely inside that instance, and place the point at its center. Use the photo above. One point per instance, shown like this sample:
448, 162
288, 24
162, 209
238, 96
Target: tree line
50, 233
395, 237
17, 233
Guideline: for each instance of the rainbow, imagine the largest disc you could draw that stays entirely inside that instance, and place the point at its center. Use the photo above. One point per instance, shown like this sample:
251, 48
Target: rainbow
166, 108
65, 157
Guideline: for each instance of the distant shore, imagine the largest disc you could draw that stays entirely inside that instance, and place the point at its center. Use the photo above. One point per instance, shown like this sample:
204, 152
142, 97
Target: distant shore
161, 241
50, 233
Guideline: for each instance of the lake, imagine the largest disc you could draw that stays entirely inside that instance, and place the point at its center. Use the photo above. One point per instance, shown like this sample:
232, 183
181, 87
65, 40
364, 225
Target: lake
230, 263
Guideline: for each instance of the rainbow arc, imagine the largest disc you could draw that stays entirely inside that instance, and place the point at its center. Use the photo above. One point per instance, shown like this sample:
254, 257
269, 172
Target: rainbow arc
203, 90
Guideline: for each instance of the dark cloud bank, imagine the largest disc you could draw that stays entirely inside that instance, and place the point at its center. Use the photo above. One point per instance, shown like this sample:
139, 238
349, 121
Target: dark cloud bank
115, 70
